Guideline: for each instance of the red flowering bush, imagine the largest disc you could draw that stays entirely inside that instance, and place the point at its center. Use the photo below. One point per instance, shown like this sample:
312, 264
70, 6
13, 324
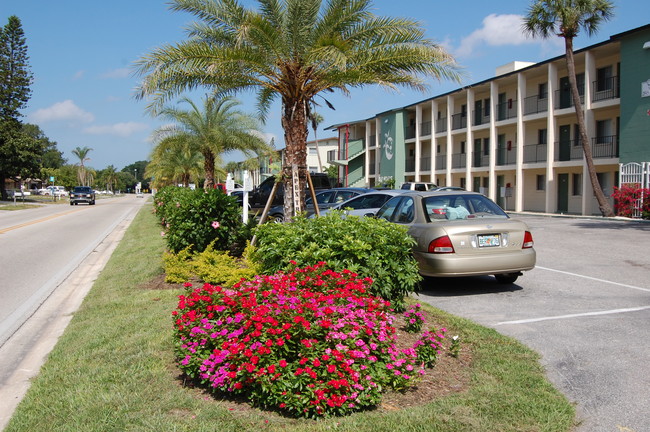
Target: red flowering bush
632, 201
311, 342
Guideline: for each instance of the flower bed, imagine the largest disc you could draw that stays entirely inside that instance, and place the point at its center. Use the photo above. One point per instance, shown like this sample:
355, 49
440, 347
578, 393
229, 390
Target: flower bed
311, 342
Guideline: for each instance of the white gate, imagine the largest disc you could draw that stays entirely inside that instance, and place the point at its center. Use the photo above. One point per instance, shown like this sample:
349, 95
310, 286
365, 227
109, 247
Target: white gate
637, 174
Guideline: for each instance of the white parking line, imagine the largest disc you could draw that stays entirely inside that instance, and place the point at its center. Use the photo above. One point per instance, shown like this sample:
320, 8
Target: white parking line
594, 279
613, 311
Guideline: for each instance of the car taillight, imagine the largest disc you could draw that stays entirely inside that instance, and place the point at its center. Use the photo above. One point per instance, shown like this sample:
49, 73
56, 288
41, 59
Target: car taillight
441, 245
528, 240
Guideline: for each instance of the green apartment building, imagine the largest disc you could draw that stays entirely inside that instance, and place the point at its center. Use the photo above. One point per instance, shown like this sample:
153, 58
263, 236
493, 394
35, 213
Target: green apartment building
514, 137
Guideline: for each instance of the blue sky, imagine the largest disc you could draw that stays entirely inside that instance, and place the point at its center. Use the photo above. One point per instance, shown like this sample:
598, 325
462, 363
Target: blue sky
82, 54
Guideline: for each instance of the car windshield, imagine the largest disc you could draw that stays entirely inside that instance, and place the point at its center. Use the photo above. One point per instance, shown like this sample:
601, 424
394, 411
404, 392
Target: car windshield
453, 207
82, 189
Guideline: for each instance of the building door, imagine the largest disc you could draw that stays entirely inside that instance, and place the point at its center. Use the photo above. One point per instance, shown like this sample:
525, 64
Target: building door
478, 112
565, 143
563, 193
501, 107
501, 149
565, 93
478, 153
477, 184
501, 182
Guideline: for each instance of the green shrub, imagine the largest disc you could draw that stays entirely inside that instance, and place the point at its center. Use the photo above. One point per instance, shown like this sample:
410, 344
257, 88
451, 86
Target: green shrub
369, 247
197, 218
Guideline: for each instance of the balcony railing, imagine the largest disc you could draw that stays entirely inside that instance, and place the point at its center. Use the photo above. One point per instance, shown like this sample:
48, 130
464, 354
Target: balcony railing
458, 121
605, 89
458, 160
441, 162
605, 146
563, 99
480, 118
425, 128
535, 105
535, 153
409, 132
441, 125
507, 110
409, 165
480, 160
506, 157
354, 147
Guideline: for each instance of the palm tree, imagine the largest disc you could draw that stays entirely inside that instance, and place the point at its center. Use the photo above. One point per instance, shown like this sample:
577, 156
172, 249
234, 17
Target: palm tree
82, 153
566, 18
174, 161
294, 51
213, 130
110, 177
316, 119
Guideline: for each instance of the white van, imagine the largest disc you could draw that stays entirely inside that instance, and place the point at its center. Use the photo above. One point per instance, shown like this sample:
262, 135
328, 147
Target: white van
58, 191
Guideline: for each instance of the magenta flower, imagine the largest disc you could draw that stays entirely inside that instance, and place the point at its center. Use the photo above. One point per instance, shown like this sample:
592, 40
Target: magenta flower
215, 224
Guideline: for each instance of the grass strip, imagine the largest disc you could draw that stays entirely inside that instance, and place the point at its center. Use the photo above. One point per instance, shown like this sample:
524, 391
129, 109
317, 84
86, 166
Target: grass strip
113, 370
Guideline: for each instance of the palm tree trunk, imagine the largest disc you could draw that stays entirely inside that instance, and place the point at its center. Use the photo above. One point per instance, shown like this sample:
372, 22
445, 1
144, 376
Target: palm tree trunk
208, 164
603, 204
294, 123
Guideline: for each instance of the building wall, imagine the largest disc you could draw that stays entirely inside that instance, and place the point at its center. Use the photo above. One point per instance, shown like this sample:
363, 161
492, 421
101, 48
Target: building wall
635, 106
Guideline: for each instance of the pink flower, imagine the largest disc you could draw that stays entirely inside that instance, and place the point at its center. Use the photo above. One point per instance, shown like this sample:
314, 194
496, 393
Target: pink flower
162, 233
215, 224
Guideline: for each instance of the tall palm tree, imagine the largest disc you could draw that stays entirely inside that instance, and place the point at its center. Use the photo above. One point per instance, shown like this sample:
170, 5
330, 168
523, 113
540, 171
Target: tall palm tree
110, 177
174, 161
214, 129
82, 153
294, 51
316, 119
566, 18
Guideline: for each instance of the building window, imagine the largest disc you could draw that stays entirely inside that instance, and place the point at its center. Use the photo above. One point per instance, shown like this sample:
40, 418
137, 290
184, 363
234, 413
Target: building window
312, 151
577, 184
331, 155
463, 182
542, 136
542, 91
486, 146
541, 182
462, 147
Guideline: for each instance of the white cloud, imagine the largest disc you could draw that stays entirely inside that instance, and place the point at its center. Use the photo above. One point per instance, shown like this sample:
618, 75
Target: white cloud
66, 110
79, 75
119, 129
497, 30
117, 73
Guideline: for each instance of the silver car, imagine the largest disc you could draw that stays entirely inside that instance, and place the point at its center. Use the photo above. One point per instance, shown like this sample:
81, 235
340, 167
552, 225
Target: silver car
462, 234
366, 204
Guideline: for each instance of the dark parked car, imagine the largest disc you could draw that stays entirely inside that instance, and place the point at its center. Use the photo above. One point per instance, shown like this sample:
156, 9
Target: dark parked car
260, 195
82, 194
325, 199
462, 234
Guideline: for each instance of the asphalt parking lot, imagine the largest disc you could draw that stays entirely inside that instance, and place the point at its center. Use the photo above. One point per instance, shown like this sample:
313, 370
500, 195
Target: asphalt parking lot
585, 308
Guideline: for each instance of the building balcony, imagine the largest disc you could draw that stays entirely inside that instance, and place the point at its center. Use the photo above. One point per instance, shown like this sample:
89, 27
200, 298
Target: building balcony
506, 157
605, 89
441, 125
535, 153
458, 160
441, 162
601, 148
507, 110
535, 105
563, 99
458, 121
480, 118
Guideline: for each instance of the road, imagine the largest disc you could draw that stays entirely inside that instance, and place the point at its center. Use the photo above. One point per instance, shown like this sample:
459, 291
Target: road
50, 257
585, 308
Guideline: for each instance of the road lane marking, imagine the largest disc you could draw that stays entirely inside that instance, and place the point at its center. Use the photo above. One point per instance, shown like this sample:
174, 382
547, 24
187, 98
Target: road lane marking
11, 228
559, 317
594, 279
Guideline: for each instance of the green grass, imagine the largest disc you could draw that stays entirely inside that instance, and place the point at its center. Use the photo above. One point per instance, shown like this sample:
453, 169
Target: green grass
113, 370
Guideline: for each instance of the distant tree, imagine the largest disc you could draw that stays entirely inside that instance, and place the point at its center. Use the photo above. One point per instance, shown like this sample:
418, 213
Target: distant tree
566, 18
315, 119
137, 170
109, 178
17, 151
82, 155
52, 156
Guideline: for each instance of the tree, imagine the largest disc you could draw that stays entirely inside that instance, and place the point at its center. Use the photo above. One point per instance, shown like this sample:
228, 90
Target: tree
566, 18
17, 151
82, 154
107, 178
316, 119
214, 129
294, 51
174, 161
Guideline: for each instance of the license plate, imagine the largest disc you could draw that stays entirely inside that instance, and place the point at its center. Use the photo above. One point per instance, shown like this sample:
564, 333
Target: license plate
490, 240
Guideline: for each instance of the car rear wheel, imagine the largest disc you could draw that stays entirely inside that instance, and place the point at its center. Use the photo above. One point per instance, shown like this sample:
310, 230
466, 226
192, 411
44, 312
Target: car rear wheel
507, 278
276, 218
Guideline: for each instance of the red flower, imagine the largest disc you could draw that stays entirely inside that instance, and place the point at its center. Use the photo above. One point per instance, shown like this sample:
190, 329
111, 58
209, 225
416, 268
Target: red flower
283, 363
